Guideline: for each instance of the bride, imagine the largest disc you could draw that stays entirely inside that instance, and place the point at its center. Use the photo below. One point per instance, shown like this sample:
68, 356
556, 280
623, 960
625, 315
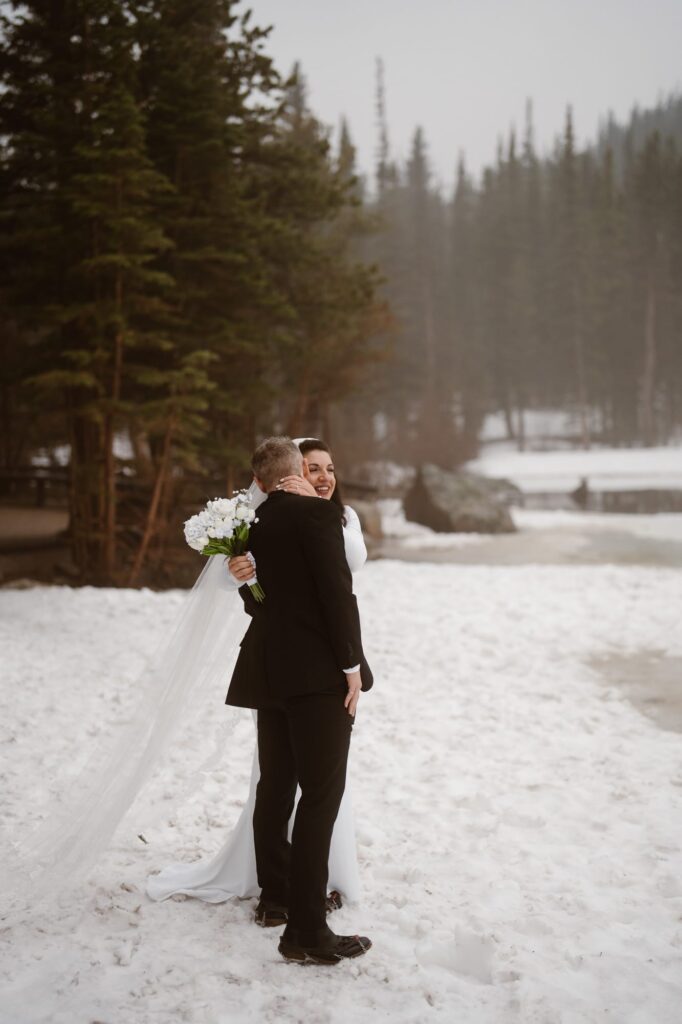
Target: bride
232, 872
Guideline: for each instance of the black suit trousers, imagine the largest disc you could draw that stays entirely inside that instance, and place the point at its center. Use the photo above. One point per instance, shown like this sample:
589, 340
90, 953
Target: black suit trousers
302, 740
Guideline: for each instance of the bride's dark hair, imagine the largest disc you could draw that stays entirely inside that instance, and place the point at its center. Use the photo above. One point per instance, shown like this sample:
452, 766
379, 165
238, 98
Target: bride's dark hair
314, 444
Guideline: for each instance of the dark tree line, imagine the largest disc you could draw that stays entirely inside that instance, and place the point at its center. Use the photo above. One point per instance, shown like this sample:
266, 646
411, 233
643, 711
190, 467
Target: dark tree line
186, 264
551, 283
175, 256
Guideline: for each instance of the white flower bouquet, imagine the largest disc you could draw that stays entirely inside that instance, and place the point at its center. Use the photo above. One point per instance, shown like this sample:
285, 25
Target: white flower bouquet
222, 528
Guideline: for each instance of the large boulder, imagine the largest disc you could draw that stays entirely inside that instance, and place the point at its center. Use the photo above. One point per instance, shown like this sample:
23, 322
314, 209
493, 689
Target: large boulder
459, 502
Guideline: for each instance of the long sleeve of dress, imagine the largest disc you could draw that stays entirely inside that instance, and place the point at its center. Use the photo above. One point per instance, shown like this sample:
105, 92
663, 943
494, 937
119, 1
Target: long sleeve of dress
356, 552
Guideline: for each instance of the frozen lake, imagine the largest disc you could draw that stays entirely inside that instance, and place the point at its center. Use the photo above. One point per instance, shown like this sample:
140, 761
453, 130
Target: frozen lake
543, 538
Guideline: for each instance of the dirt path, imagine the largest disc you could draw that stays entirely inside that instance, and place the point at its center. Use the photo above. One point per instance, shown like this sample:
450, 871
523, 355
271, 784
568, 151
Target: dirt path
30, 527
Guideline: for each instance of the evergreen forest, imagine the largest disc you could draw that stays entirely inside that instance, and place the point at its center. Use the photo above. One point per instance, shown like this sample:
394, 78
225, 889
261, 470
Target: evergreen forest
190, 261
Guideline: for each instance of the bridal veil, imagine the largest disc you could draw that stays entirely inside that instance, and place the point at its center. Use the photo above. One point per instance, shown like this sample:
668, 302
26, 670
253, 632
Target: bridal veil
189, 667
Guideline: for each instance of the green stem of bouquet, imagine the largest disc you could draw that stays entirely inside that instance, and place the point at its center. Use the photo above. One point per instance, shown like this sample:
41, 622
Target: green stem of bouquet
257, 591
237, 544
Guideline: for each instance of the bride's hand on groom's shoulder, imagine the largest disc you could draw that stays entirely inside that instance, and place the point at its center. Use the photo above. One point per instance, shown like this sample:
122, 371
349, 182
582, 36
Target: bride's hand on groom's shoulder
297, 485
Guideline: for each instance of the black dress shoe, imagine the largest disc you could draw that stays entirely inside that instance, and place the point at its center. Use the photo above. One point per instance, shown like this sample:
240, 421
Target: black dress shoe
270, 915
328, 952
274, 915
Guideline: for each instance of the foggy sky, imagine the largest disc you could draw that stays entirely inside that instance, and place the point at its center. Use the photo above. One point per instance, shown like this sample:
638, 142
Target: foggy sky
464, 68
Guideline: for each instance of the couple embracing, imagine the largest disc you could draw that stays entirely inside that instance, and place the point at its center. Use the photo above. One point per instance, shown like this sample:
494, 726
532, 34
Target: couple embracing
301, 667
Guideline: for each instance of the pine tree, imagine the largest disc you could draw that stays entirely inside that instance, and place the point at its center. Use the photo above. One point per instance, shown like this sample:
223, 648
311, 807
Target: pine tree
329, 295
96, 188
653, 174
493, 311
607, 293
569, 268
431, 367
37, 133
385, 172
465, 300
201, 65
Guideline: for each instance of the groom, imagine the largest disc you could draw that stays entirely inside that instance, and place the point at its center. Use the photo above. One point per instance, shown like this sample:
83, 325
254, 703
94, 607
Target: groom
299, 665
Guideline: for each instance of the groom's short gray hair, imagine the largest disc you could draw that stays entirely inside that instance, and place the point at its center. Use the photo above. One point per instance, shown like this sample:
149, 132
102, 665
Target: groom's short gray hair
274, 458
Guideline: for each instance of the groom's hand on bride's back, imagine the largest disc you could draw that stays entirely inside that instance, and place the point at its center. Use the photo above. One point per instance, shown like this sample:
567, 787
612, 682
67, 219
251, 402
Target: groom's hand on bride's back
353, 696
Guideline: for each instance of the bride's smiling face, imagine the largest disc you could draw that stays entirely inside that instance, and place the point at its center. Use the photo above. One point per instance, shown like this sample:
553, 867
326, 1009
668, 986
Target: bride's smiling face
318, 468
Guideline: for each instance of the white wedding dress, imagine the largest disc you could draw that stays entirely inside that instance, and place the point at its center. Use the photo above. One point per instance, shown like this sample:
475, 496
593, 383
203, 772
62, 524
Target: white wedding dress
232, 872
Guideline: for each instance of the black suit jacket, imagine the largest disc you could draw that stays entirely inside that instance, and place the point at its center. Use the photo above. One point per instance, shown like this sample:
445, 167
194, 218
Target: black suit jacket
307, 630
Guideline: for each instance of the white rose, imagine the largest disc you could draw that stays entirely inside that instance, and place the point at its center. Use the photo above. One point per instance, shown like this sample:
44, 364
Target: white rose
220, 507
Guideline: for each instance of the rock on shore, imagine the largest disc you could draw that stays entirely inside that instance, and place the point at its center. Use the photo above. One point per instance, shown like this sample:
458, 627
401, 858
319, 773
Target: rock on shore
460, 502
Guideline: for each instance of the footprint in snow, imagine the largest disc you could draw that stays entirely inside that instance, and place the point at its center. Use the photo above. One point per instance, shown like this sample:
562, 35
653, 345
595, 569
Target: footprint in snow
466, 953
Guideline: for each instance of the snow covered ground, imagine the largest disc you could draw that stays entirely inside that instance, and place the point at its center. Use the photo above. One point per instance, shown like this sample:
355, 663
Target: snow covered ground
519, 821
660, 526
553, 537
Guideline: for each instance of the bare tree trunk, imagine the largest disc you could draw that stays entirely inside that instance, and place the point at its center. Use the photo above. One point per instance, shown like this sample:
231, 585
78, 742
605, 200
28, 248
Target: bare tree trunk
159, 483
85, 496
521, 429
585, 438
647, 424
143, 464
581, 375
508, 417
429, 428
297, 418
109, 509
10, 448
325, 422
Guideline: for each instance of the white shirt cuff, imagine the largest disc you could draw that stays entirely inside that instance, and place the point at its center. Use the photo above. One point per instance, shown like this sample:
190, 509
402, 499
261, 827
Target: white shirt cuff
348, 671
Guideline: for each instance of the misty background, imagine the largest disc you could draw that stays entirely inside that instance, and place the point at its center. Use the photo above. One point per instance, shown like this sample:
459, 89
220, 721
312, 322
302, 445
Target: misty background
464, 70
392, 225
